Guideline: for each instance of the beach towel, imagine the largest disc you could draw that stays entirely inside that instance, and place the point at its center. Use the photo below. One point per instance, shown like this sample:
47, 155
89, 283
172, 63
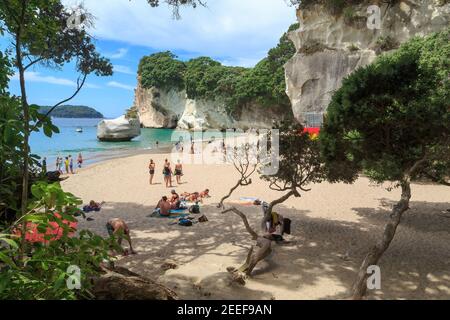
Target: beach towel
173, 215
90, 209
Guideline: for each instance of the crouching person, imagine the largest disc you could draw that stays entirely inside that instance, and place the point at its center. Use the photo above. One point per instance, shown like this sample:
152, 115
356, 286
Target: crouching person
118, 229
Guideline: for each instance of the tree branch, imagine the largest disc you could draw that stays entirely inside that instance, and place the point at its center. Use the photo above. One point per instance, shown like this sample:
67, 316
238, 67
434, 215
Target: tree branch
79, 86
244, 219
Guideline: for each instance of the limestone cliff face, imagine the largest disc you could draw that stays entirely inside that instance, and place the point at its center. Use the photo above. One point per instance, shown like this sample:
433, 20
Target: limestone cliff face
329, 47
158, 108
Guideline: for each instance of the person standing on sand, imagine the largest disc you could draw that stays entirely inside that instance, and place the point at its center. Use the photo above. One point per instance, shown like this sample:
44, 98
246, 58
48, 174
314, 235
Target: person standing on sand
178, 171
167, 172
151, 169
192, 148
71, 164
66, 164
44, 165
80, 160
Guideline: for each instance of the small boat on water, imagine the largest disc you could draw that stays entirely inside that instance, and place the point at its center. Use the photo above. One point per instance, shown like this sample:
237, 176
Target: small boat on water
79, 130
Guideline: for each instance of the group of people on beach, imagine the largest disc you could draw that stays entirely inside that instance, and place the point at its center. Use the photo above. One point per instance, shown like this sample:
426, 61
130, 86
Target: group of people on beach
167, 172
68, 164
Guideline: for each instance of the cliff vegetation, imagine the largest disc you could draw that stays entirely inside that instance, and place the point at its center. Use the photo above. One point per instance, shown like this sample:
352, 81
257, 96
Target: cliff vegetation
205, 78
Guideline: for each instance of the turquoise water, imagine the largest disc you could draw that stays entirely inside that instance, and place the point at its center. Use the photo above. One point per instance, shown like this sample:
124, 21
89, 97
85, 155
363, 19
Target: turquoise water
70, 142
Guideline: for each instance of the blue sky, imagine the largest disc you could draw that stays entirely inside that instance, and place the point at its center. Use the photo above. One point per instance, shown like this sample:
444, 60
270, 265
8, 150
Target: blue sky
235, 32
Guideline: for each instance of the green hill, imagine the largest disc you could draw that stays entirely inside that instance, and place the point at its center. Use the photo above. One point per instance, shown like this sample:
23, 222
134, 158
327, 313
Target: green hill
69, 111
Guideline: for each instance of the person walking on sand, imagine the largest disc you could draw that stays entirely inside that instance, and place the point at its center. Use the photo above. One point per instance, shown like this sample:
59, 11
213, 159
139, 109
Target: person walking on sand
66, 164
167, 172
151, 169
80, 160
178, 171
71, 164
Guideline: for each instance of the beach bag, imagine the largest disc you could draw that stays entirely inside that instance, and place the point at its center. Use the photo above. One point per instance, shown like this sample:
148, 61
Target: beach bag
194, 209
203, 219
185, 222
287, 225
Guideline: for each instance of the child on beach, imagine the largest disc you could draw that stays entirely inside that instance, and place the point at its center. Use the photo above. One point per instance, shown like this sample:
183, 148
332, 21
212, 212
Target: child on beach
66, 164
80, 160
71, 164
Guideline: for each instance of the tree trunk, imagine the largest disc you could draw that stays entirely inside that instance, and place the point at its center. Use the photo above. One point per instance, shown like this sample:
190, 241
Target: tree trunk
256, 253
375, 253
26, 121
220, 205
122, 284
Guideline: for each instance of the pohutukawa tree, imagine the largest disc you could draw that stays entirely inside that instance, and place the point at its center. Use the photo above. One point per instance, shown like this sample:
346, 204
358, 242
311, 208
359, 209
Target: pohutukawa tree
245, 160
391, 120
40, 35
299, 166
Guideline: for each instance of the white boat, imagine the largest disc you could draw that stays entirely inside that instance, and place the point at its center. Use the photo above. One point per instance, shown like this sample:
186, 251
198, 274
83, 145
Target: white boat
79, 129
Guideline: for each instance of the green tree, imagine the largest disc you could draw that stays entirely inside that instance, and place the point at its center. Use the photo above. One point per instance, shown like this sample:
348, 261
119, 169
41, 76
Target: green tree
40, 35
391, 120
162, 70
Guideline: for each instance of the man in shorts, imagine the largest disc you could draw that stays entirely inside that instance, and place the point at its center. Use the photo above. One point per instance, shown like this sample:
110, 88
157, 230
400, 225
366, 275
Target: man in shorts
119, 229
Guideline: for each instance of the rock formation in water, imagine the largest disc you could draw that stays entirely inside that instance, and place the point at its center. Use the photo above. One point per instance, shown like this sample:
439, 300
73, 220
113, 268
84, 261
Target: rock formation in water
330, 45
120, 129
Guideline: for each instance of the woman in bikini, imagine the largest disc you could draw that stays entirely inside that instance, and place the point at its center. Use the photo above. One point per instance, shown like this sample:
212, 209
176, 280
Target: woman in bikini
151, 169
178, 171
167, 172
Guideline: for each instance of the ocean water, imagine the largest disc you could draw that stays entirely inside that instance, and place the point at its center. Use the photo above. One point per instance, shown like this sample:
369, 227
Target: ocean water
70, 142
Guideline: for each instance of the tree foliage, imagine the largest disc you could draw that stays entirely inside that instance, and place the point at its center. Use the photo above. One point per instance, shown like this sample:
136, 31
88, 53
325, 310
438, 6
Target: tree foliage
162, 70
391, 114
391, 120
205, 78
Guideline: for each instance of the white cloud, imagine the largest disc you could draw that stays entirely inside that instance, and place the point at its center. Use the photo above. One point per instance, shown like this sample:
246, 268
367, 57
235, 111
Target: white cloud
119, 85
120, 53
231, 29
31, 76
123, 69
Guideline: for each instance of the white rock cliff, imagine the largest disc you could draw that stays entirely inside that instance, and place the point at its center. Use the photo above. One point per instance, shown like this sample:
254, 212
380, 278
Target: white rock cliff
158, 108
330, 47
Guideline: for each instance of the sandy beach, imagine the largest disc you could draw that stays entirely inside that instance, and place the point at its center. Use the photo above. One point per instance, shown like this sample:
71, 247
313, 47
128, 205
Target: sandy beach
329, 222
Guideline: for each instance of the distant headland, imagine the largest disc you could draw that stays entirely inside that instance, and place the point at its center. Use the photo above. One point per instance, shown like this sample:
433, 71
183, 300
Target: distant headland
70, 111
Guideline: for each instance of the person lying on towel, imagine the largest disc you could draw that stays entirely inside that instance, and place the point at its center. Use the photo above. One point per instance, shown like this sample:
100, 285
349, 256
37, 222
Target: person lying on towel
93, 206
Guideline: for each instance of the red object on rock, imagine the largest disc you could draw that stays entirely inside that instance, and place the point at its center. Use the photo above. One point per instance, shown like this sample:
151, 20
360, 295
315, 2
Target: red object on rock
312, 131
33, 235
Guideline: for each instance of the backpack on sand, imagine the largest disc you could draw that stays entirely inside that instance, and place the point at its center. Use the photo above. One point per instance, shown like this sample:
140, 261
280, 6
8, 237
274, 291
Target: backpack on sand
185, 222
194, 209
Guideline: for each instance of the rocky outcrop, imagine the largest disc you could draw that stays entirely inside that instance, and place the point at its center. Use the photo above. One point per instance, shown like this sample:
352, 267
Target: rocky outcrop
120, 129
158, 108
329, 46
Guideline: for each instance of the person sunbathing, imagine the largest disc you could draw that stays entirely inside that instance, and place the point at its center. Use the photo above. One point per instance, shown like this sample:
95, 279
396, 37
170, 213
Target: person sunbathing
93, 206
175, 200
117, 228
205, 194
163, 207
